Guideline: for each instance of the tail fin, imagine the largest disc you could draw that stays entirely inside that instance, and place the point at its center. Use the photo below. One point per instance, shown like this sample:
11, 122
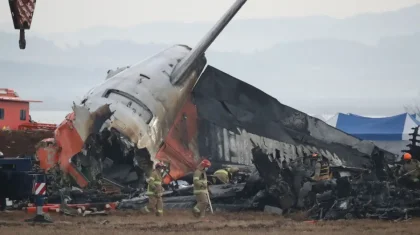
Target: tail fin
183, 67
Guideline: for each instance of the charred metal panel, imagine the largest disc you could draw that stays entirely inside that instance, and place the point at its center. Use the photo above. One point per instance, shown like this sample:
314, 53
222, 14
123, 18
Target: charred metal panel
414, 145
232, 112
180, 145
143, 100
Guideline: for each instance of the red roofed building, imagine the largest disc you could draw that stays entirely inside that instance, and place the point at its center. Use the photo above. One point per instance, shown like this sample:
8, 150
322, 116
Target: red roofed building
14, 112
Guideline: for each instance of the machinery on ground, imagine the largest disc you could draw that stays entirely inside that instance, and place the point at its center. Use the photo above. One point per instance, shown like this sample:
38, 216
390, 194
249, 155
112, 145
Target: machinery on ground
18, 177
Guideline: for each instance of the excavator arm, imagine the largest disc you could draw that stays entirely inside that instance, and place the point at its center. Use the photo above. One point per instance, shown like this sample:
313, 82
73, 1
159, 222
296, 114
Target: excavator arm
22, 13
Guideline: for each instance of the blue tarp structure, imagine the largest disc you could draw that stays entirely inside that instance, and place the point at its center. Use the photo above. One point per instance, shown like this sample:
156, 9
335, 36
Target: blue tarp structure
394, 128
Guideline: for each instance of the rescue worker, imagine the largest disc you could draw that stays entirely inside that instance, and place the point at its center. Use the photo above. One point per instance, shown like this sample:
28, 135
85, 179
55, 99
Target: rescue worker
225, 175
322, 168
200, 188
321, 174
411, 169
155, 190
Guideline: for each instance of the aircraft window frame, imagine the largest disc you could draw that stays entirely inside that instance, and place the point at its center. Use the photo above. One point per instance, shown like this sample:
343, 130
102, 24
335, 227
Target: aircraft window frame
131, 99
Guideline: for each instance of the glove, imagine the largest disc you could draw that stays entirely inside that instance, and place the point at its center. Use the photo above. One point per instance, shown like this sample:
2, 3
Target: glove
160, 194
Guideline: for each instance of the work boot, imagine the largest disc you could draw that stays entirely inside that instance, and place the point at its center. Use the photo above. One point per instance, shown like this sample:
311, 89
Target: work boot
196, 213
144, 210
159, 214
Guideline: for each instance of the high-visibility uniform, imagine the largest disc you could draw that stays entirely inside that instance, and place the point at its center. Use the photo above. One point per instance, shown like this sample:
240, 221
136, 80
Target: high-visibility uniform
412, 169
200, 192
322, 170
322, 173
223, 175
154, 191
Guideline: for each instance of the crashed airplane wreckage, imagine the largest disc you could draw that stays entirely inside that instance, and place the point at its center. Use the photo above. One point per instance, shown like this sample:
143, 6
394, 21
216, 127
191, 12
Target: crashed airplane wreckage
173, 107
371, 192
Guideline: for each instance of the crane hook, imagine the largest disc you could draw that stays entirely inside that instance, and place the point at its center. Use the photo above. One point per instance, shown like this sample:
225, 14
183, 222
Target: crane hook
22, 40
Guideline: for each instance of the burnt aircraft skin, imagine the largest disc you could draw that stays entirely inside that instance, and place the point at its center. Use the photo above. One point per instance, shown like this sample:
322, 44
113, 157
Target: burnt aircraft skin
225, 116
194, 113
136, 105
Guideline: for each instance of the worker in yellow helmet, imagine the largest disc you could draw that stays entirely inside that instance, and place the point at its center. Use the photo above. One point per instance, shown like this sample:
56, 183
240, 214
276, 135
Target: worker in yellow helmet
201, 189
322, 168
410, 169
225, 175
155, 190
321, 174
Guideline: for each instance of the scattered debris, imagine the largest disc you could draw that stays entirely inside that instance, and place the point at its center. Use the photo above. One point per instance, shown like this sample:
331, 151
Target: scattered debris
104, 222
273, 210
373, 192
272, 185
176, 109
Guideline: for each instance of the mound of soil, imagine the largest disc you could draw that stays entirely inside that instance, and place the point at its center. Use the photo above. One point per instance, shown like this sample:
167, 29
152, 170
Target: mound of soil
18, 143
183, 223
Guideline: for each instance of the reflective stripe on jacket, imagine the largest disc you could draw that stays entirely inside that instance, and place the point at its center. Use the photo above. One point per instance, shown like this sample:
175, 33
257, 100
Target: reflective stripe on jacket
154, 185
200, 181
223, 175
324, 174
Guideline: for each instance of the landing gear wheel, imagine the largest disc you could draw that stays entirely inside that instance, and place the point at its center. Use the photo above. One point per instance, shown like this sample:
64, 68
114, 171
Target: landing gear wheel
196, 213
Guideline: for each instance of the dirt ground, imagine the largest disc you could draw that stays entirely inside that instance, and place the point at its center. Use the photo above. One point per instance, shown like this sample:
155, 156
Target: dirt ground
182, 223
15, 143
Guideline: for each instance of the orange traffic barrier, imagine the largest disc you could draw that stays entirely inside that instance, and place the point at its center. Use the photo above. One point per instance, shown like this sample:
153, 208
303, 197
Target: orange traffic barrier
45, 209
55, 207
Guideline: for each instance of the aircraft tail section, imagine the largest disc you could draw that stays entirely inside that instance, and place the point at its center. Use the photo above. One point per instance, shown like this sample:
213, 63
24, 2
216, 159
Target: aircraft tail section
184, 66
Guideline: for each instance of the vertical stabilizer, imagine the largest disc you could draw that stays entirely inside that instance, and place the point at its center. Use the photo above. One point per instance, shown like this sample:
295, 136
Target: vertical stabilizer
182, 68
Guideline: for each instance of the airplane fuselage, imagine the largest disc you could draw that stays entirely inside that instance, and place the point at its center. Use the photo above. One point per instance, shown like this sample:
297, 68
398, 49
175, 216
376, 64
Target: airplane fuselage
142, 98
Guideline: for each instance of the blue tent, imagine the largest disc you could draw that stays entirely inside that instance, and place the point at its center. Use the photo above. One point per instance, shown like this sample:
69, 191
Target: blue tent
394, 128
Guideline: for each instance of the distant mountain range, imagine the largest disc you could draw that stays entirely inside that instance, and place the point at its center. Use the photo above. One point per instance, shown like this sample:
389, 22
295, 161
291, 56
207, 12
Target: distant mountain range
256, 34
365, 64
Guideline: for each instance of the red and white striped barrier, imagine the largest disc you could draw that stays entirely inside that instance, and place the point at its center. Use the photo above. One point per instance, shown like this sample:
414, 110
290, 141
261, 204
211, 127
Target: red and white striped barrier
40, 189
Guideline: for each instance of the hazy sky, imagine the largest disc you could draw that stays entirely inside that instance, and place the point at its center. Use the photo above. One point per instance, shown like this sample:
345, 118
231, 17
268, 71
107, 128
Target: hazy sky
70, 15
